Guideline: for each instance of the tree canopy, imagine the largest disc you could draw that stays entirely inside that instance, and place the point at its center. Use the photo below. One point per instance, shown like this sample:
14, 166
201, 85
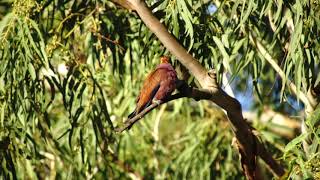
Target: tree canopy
70, 71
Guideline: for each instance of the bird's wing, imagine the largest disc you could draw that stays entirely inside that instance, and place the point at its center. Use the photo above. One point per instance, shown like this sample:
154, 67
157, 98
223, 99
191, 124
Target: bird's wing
150, 87
142, 105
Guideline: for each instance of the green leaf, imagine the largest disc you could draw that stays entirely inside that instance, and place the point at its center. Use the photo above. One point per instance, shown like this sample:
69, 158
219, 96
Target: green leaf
43, 56
238, 45
225, 40
279, 10
295, 39
4, 23
27, 29
244, 16
32, 71
224, 53
317, 80
294, 143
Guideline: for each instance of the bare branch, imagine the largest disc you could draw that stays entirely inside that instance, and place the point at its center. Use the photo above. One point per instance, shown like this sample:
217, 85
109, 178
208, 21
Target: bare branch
136, 118
124, 3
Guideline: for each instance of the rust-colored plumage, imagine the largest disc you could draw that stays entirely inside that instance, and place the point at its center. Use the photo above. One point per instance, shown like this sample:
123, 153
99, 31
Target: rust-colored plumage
158, 85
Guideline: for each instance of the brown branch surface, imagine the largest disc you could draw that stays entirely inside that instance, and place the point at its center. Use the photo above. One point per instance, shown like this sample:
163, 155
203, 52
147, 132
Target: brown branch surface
249, 145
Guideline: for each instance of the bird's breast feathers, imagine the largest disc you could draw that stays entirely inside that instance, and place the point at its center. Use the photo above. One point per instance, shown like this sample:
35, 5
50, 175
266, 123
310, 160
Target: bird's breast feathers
166, 66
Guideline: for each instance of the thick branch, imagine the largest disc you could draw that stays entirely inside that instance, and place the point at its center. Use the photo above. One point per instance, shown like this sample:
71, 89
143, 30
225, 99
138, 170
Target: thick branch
185, 91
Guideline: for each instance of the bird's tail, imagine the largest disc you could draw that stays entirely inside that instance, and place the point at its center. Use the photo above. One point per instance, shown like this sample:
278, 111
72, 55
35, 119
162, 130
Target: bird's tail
131, 115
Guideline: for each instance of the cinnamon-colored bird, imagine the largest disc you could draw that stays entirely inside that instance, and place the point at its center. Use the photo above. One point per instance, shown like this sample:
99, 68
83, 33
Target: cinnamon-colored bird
158, 85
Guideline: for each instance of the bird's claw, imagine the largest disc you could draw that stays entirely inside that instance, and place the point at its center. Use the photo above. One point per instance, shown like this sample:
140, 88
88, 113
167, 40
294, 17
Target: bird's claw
155, 101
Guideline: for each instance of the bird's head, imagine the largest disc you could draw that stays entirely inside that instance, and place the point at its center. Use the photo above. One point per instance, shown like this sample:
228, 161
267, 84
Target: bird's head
164, 59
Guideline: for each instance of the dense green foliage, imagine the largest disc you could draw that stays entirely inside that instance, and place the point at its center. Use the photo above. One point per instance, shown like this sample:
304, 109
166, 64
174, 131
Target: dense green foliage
58, 123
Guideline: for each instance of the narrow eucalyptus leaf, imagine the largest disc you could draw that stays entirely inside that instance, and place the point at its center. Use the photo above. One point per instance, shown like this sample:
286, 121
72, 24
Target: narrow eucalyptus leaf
293, 144
32, 71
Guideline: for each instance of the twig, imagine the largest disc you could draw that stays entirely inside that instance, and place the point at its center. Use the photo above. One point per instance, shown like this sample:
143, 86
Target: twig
137, 117
115, 42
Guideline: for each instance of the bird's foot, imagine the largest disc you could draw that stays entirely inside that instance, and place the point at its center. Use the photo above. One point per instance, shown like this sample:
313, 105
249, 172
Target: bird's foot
156, 101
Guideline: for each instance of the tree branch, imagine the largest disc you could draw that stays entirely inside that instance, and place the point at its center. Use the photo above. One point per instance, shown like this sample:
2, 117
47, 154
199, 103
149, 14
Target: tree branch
248, 144
129, 122
184, 91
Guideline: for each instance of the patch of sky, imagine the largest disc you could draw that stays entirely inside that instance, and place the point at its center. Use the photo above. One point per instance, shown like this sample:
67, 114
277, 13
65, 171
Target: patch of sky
211, 9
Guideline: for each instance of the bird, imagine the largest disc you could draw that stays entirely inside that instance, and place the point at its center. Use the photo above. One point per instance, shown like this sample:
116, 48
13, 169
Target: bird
157, 86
